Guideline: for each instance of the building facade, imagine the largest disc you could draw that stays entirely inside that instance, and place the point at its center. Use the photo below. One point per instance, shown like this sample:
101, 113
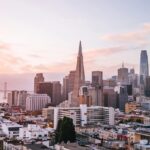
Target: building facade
35, 102
123, 75
82, 115
38, 79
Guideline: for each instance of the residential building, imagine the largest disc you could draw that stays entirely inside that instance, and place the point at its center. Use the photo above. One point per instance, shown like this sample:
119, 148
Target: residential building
33, 131
35, 102
11, 129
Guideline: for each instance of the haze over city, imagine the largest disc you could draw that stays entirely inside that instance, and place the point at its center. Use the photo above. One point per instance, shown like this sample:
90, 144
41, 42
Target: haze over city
43, 36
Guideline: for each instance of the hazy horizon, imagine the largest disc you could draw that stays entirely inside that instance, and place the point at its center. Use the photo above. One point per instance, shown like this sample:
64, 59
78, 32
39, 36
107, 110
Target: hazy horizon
43, 36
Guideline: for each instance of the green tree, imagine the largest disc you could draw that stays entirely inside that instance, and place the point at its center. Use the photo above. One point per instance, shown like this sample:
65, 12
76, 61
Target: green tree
57, 132
65, 131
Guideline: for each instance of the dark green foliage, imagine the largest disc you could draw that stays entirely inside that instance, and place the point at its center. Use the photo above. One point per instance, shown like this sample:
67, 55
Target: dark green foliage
57, 132
65, 131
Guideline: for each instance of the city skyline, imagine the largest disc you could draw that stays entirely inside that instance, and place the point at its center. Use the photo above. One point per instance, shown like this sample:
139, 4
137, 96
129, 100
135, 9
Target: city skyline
31, 43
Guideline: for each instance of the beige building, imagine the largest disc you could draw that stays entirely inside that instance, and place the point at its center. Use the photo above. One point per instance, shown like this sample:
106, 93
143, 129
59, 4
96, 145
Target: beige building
129, 107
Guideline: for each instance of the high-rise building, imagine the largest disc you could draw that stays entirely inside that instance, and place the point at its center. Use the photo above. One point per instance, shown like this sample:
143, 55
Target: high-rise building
144, 70
71, 78
22, 95
13, 98
79, 77
56, 94
97, 78
52, 89
35, 102
147, 86
68, 84
45, 88
38, 79
123, 75
109, 97
84, 96
65, 87
122, 97
109, 83
133, 78
97, 91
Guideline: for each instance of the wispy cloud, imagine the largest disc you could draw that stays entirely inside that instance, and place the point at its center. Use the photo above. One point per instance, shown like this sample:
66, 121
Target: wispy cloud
140, 35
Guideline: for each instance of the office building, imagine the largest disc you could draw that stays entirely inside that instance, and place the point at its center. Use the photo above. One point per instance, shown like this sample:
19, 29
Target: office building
97, 88
109, 97
45, 88
84, 96
122, 97
123, 75
13, 98
35, 102
144, 70
52, 89
65, 87
147, 86
79, 77
22, 95
97, 78
56, 93
38, 79
71, 78
109, 83
82, 115
144, 67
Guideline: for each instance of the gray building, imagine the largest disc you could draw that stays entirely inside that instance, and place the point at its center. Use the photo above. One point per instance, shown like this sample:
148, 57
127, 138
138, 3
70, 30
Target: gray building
123, 75
122, 97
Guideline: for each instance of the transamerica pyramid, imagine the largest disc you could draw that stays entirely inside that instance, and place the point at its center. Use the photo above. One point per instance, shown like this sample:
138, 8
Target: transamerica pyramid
79, 77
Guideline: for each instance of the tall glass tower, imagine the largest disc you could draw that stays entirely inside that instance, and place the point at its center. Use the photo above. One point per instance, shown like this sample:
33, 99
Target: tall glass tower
144, 68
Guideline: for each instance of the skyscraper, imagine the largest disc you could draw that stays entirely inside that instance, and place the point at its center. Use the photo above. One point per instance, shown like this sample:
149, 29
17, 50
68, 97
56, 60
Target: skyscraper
38, 79
65, 87
97, 83
68, 84
52, 89
144, 68
123, 75
79, 77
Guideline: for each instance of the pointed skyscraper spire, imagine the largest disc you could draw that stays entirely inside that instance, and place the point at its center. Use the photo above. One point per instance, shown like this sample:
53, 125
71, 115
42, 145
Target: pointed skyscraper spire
80, 49
79, 77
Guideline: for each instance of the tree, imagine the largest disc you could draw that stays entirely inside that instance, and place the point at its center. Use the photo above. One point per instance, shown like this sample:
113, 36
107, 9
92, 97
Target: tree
65, 131
57, 132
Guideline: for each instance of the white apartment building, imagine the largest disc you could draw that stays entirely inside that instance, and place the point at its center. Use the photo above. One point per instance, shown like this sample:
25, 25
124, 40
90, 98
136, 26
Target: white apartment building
33, 131
35, 102
82, 115
11, 129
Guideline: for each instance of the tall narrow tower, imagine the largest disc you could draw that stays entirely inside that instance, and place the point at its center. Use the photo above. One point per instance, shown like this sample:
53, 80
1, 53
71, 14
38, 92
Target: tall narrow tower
79, 77
144, 70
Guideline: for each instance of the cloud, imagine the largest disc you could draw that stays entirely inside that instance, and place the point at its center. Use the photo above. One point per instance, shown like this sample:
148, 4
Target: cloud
140, 35
35, 56
4, 46
104, 52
